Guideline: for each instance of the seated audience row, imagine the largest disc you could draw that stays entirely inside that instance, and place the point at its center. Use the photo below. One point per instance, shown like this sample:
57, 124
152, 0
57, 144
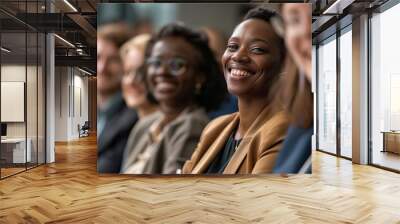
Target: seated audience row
184, 77
173, 81
115, 119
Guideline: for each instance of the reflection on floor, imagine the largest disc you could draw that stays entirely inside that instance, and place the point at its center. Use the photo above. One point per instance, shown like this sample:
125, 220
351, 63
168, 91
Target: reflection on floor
387, 159
70, 191
11, 169
346, 152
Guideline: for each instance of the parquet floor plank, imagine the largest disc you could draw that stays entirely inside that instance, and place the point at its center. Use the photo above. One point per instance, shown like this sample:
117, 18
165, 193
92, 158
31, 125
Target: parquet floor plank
70, 191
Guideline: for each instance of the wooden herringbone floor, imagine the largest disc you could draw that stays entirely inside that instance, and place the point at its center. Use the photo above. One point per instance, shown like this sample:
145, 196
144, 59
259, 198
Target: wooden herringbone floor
70, 191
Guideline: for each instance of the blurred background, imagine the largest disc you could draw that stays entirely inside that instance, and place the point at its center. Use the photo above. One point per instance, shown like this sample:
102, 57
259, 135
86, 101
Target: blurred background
147, 17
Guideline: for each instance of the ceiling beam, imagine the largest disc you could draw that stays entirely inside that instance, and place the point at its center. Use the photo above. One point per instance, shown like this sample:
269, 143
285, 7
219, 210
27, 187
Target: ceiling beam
84, 24
81, 61
337, 7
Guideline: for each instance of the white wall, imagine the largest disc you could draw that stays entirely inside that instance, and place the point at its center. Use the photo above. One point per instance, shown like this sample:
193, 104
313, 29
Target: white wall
80, 98
16, 73
12, 100
71, 93
61, 103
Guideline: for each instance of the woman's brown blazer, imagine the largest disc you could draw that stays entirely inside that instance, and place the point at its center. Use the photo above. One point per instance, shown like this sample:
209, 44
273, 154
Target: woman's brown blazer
257, 151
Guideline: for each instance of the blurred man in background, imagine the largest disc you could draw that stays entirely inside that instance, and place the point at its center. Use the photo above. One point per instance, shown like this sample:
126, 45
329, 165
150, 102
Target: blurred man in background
115, 120
134, 88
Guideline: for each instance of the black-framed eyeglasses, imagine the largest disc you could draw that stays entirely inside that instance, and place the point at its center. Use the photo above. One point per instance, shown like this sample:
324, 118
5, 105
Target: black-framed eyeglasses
176, 66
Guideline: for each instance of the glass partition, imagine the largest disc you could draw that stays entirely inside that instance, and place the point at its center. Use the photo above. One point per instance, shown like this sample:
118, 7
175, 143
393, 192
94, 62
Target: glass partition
41, 91
32, 96
327, 95
385, 89
22, 77
15, 150
346, 92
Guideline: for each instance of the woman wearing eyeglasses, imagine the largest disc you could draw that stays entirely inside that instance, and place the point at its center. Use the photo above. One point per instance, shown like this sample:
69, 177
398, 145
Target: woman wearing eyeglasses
247, 142
185, 78
134, 88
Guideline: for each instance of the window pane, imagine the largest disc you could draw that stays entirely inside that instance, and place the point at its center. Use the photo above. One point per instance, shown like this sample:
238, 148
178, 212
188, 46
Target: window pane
345, 94
385, 84
327, 96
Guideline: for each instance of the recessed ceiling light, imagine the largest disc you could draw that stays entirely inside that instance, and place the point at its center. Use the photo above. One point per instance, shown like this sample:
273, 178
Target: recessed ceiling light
64, 40
84, 71
337, 7
5, 50
70, 5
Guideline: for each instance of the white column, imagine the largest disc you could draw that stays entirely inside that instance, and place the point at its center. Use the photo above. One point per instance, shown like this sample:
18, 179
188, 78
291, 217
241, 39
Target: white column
50, 82
360, 90
50, 93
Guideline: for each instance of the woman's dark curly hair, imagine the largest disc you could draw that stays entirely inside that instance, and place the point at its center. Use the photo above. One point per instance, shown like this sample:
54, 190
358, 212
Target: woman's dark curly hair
213, 91
272, 18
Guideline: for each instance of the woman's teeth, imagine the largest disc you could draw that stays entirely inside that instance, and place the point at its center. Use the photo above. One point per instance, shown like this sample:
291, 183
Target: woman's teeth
240, 73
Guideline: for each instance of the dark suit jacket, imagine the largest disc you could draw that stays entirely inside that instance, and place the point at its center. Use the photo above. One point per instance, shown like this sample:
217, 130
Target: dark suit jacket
257, 150
112, 141
296, 151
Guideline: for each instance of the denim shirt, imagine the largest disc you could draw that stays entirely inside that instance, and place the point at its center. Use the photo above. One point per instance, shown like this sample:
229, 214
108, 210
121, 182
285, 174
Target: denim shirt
296, 151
